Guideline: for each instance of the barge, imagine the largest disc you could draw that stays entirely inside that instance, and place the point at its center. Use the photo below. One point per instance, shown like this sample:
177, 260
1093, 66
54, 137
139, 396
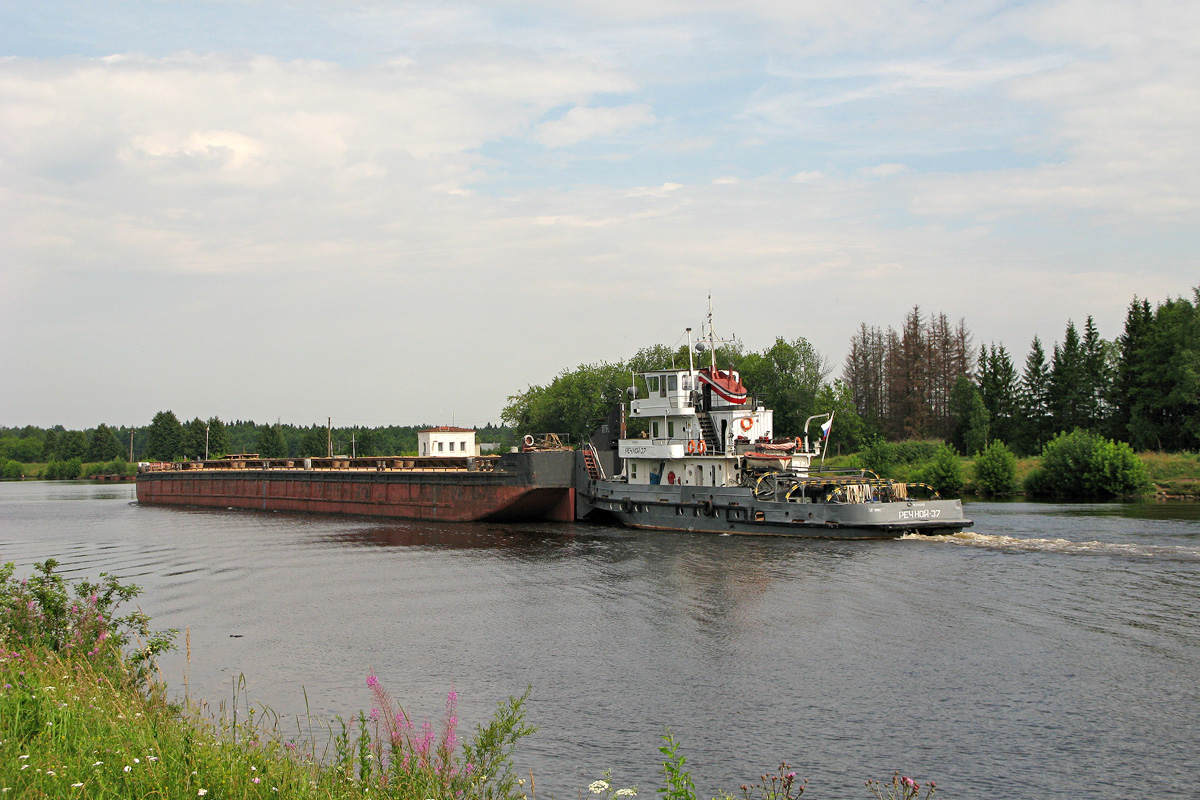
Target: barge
535, 484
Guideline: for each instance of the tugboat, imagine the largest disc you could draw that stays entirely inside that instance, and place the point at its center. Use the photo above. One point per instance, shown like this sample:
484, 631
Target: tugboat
709, 462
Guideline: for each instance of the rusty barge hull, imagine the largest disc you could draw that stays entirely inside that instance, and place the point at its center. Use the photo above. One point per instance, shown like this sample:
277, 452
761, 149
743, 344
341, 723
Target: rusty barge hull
524, 487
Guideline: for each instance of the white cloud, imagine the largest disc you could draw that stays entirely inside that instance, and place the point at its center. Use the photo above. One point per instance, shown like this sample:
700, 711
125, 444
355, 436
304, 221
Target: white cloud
580, 124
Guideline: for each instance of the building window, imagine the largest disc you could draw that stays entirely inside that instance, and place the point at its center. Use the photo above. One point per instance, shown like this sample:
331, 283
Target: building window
440, 446
654, 429
452, 447
462, 446
670, 429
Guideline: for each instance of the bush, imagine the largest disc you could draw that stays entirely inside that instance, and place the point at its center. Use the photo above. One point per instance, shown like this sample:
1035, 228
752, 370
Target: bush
944, 473
1084, 465
912, 451
12, 471
878, 456
40, 612
63, 470
117, 466
996, 471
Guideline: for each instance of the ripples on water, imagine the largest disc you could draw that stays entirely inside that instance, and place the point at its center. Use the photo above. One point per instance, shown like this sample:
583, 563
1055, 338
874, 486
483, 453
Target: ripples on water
1053, 651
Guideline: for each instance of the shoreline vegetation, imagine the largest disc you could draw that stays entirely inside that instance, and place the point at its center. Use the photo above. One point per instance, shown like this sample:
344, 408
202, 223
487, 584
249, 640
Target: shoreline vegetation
83, 713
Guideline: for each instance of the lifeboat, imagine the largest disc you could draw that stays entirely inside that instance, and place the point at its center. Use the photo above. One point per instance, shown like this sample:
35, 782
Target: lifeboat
726, 384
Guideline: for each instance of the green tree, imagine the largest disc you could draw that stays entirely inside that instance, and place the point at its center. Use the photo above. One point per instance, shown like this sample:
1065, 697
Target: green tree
1165, 396
1070, 386
271, 443
1097, 377
996, 471
575, 402
103, 445
849, 431
314, 443
1036, 421
72, 444
1139, 320
218, 438
50, 443
971, 417
164, 439
194, 439
998, 389
786, 377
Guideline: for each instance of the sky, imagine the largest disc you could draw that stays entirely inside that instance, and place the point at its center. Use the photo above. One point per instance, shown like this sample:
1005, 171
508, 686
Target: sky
395, 213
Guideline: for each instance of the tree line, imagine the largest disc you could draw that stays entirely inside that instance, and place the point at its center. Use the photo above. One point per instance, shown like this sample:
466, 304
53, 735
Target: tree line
166, 438
926, 381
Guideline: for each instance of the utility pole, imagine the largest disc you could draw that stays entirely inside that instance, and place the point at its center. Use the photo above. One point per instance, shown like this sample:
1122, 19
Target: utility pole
329, 436
206, 441
131, 445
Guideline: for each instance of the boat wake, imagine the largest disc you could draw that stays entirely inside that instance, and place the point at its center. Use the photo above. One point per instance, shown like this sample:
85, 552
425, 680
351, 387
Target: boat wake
1066, 546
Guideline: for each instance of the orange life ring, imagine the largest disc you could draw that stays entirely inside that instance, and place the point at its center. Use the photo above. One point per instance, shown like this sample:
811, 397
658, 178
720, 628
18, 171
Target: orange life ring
691, 447
701, 446
747, 423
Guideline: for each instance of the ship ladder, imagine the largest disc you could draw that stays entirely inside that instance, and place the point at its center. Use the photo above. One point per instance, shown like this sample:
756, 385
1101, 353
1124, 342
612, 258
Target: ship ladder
709, 432
591, 460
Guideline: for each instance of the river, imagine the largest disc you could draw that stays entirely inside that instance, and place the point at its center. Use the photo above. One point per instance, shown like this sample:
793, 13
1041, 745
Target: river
1052, 652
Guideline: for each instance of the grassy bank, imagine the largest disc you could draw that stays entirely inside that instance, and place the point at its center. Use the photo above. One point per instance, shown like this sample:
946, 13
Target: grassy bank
1174, 475
81, 715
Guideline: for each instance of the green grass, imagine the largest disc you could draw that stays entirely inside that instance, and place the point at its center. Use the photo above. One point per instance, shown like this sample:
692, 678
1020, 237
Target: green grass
68, 731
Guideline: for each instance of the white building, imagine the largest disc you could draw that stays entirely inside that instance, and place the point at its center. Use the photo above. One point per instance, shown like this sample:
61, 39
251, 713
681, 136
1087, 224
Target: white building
447, 441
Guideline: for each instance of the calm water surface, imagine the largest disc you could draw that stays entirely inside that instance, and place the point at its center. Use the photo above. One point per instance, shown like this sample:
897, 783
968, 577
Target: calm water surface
1053, 652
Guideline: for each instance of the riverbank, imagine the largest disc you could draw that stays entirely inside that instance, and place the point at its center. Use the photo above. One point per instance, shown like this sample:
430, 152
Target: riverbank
1174, 476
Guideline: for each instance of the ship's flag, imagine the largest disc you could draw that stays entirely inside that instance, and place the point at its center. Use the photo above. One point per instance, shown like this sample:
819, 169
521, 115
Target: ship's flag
825, 426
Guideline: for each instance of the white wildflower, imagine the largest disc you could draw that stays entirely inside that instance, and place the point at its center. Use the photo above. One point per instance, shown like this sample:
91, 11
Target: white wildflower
598, 787
626, 792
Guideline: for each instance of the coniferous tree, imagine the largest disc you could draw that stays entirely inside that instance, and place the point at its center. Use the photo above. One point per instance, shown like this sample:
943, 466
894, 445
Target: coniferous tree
1138, 322
1035, 419
1165, 400
164, 438
1069, 384
218, 438
1097, 377
271, 443
971, 419
195, 439
998, 388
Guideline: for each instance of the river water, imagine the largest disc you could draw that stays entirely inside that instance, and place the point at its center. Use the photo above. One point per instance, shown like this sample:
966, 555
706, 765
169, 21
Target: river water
1053, 652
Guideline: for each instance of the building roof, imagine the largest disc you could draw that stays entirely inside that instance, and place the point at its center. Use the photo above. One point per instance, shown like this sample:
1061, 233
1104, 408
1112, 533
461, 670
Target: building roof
447, 429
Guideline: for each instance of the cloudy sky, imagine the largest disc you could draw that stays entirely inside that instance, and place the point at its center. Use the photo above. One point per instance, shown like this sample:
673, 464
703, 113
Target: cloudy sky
402, 213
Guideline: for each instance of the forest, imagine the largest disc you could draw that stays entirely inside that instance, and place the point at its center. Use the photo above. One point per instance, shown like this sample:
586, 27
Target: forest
927, 380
